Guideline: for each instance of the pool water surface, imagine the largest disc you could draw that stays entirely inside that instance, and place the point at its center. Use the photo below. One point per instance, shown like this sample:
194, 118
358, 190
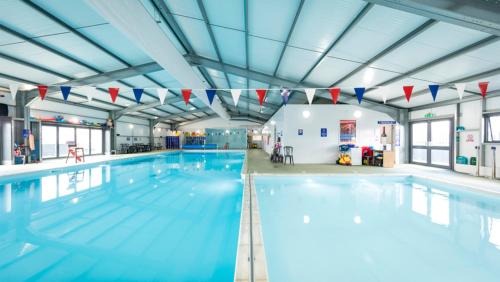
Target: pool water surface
165, 217
377, 229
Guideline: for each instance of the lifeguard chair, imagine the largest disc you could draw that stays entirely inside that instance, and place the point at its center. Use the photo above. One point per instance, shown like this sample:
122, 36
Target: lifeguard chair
75, 152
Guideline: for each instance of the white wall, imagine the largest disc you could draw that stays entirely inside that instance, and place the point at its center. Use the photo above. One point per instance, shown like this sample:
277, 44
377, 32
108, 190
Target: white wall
135, 129
218, 122
311, 147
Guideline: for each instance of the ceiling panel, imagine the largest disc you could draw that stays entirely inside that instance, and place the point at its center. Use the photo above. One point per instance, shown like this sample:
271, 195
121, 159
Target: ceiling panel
439, 40
321, 22
6, 38
218, 78
379, 28
18, 16
231, 45
114, 41
227, 13
331, 70
21, 71
271, 19
264, 54
296, 62
197, 34
368, 77
82, 51
187, 8
38, 56
76, 13
237, 81
164, 78
457, 68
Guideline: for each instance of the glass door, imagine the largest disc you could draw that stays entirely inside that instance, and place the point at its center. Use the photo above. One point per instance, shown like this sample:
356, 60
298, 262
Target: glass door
431, 142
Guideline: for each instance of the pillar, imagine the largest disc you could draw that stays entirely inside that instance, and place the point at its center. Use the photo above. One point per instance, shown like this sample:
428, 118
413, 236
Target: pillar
6, 144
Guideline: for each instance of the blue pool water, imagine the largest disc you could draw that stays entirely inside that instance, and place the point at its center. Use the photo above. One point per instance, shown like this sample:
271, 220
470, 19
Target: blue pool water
377, 229
166, 217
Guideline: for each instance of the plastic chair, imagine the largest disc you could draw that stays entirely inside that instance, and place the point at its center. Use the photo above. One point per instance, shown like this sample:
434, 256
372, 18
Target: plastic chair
288, 154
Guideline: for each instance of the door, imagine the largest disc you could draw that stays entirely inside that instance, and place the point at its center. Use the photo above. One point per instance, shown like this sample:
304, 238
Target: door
432, 143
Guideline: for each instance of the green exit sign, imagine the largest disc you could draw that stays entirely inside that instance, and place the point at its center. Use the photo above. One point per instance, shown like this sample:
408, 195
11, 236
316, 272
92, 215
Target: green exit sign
429, 115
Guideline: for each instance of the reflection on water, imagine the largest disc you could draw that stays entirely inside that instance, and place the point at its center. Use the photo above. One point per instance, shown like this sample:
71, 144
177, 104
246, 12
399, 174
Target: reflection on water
139, 219
377, 229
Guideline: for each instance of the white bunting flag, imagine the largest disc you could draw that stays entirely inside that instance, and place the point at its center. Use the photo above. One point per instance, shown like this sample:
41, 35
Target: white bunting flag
13, 90
383, 93
162, 94
310, 94
236, 95
460, 89
89, 92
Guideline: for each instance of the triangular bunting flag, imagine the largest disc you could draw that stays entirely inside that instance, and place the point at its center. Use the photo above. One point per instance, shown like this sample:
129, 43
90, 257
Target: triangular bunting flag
310, 94
261, 93
186, 93
236, 96
89, 92
460, 89
360, 91
65, 90
383, 92
210, 95
285, 93
434, 91
113, 92
335, 93
483, 86
13, 90
162, 94
138, 94
408, 90
42, 90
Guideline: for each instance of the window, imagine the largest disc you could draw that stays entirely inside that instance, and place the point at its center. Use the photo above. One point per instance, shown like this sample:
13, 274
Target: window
49, 141
66, 137
96, 141
492, 127
83, 139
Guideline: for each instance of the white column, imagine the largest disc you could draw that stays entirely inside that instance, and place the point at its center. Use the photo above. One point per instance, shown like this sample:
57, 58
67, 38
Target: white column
6, 141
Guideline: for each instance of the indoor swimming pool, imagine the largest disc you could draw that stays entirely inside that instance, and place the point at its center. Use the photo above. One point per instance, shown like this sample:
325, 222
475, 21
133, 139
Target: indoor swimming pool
172, 216
377, 229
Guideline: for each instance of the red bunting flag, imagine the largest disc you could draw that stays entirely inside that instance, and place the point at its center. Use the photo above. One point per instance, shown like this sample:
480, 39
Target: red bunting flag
408, 90
483, 86
186, 93
261, 93
113, 92
335, 93
42, 90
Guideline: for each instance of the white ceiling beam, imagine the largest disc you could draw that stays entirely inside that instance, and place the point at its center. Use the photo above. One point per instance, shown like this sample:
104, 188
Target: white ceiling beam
143, 30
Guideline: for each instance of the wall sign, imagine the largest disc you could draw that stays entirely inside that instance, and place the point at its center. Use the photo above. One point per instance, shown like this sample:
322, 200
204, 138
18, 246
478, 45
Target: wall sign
323, 132
470, 138
26, 133
348, 131
301, 132
386, 122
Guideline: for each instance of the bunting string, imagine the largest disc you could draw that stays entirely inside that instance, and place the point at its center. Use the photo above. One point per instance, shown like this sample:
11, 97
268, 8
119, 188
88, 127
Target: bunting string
261, 93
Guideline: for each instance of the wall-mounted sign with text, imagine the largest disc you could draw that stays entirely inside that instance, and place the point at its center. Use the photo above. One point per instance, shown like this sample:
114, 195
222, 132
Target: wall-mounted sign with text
386, 122
323, 132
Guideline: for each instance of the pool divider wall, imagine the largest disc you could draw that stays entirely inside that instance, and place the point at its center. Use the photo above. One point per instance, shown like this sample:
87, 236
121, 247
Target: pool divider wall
250, 260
